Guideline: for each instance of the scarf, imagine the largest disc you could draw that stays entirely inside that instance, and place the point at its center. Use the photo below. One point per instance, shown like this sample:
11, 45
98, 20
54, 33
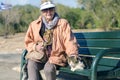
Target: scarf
52, 24
47, 27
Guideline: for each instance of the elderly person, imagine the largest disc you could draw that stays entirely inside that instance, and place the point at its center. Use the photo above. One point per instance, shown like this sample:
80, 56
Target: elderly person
52, 36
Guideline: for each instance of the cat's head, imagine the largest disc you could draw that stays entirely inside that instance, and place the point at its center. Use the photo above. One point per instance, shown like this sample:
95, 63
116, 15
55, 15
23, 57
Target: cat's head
75, 63
72, 61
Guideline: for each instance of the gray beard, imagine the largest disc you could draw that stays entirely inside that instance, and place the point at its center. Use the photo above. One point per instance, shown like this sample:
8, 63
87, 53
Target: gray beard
53, 23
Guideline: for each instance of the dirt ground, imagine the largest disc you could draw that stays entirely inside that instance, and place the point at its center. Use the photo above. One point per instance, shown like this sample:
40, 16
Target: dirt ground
10, 52
13, 44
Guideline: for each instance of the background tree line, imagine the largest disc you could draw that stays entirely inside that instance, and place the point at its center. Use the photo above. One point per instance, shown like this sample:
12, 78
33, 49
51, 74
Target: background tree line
90, 14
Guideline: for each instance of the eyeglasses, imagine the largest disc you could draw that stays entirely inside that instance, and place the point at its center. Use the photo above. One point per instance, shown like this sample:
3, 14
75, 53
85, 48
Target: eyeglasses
48, 9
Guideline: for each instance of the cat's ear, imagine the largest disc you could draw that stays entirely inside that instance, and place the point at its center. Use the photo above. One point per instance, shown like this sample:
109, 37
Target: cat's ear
75, 57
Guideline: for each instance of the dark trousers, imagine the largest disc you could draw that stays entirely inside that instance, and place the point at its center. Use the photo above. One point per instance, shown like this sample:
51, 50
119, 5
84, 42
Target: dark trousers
35, 67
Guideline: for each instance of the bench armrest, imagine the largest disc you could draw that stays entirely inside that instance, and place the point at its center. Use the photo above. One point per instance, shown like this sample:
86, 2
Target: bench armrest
23, 61
23, 57
98, 57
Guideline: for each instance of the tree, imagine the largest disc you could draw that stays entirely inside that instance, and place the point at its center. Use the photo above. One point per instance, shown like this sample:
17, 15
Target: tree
10, 16
102, 11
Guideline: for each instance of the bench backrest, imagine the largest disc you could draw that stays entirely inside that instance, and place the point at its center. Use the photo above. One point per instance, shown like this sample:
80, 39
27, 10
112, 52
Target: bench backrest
92, 42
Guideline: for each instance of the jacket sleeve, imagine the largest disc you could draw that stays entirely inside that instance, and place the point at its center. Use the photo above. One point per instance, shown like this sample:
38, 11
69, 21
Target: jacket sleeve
70, 42
29, 39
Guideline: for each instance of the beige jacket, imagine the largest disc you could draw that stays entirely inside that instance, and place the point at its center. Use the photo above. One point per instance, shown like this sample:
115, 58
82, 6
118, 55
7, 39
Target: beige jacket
63, 40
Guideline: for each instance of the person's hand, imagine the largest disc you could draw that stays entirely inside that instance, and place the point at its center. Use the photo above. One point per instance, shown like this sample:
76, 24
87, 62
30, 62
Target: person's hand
39, 47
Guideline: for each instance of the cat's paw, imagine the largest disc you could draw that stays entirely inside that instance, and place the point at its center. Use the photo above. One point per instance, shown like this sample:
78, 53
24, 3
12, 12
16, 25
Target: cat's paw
72, 69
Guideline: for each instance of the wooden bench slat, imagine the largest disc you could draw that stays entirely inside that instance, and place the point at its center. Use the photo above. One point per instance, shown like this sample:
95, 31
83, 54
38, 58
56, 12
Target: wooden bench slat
79, 72
100, 43
107, 57
99, 35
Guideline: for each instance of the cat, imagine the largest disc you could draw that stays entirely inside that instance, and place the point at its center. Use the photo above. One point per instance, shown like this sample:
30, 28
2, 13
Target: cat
75, 63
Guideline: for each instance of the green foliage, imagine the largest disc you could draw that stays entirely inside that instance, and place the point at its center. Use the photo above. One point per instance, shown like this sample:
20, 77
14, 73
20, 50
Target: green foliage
17, 19
72, 18
27, 13
104, 12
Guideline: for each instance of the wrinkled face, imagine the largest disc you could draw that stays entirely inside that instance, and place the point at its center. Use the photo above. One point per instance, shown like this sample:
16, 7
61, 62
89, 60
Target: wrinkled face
48, 13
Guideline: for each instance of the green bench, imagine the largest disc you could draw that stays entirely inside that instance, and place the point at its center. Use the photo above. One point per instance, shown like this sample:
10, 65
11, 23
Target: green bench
100, 51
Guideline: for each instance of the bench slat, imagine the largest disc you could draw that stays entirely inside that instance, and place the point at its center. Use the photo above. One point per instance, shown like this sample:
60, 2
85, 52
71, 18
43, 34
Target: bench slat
100, 43
99, 35
107, 57
79, 72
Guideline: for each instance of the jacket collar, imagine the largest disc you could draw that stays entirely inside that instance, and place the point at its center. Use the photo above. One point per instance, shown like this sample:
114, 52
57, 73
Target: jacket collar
39, 20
